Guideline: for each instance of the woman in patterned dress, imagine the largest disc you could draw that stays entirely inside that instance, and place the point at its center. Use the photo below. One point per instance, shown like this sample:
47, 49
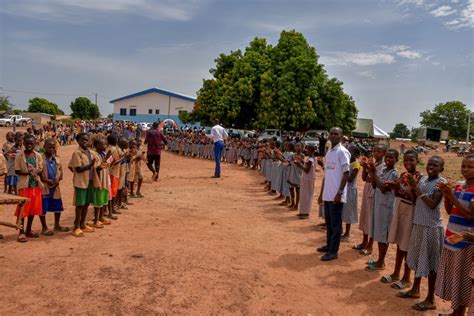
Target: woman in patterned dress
453, 282
383, 205
349, 210
426, 240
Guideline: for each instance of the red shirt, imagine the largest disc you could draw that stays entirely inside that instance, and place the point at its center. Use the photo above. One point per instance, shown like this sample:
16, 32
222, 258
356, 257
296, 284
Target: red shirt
153, 139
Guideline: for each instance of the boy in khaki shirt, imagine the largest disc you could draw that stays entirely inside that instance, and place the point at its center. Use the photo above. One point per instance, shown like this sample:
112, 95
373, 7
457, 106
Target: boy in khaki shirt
81, 164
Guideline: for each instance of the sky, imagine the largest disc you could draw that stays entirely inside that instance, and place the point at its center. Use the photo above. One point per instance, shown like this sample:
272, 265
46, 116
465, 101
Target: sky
396, 58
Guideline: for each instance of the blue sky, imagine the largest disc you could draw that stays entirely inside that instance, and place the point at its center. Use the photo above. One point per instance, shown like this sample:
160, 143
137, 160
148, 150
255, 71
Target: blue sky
395, 57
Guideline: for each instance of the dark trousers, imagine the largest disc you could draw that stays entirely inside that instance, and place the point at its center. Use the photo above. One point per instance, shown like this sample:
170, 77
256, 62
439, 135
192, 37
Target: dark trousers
154, 160
333, 214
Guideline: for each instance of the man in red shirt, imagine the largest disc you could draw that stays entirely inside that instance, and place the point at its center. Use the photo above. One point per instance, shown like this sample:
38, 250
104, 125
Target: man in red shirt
154, 139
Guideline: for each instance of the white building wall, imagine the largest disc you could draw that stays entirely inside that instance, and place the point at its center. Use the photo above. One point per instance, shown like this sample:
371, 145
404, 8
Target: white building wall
154, 101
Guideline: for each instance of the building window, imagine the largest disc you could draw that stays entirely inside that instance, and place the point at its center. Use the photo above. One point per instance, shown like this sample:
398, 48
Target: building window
157, 111
150, 111
123, 112
133, 112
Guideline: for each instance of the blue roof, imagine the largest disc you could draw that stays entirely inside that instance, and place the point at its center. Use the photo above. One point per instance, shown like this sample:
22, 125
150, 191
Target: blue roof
155, 90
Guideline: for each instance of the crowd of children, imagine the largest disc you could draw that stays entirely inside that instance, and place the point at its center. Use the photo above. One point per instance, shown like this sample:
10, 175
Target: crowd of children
397, 208
403, 209
106, 172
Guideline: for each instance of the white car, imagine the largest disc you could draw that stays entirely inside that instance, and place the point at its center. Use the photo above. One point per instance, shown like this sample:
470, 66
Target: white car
269, 134
19, 120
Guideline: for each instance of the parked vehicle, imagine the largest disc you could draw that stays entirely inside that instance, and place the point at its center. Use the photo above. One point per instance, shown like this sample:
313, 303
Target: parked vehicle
270, 134
19, 120
311, 137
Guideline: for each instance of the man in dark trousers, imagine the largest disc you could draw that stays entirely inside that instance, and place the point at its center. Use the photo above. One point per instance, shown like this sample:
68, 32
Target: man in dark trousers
154, 140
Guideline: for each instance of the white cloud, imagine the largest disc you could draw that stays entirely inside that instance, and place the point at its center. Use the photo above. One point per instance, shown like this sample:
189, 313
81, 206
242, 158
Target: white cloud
413, 2
367, 74
384, 55
444, 10
360, 59
76, 11
409, 54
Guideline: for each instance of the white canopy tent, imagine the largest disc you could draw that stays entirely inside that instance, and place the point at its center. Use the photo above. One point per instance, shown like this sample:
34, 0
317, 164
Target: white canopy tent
380, 133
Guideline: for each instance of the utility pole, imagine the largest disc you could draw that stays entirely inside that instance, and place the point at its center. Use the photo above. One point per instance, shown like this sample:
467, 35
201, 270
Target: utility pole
468, 136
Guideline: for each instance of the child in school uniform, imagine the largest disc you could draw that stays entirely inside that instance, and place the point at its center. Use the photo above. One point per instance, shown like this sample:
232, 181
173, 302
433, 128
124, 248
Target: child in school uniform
294, 176
12, 177
307, 183
101, 183
136, 164
6, 148
349, 210
402, 221
113, 151
28, 166
51, 175
367, 208
124, 167
3, 170
383, 205
82, 164
453, 281
285, 186
426, 240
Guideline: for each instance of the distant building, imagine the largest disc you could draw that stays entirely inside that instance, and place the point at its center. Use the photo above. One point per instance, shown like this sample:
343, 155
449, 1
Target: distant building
40, 118
152, 105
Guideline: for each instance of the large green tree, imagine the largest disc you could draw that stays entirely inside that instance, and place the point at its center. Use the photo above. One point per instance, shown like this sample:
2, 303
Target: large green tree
84, 109
273, 87
400, 131
5, 104
451, 116
44, 106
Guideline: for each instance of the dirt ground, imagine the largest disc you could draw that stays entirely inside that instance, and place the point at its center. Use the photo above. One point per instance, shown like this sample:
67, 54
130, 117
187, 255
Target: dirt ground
193, 245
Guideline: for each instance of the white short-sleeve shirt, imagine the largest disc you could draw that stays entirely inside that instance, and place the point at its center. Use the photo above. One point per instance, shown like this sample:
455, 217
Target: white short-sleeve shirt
337, 162
218, 133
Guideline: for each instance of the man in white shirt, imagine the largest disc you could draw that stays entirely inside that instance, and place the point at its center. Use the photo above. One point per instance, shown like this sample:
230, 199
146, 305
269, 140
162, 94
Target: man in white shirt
333, 192
218, 134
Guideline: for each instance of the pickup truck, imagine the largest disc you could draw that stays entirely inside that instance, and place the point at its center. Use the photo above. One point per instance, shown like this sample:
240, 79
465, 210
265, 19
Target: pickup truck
17, 119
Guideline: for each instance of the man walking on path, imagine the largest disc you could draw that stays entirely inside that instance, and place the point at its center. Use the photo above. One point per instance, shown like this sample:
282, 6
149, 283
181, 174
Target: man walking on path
218, 134
333, 192
154, 139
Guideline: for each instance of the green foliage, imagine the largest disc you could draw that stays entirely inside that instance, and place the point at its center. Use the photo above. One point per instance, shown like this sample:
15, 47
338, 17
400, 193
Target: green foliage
42, 105
451, 116
5, 105
110, 116
400, 131
84, 109
273, 87
17, 111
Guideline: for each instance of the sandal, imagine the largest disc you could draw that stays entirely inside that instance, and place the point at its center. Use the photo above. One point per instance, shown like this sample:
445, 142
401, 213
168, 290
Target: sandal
77, 233
105, 221
47, 232
365, 252
98, 225
358, 247
408, 294
88, 229
387, 279
400, 285
345, 238
22, 238
140, 196
423, 306
32, 234
62, 229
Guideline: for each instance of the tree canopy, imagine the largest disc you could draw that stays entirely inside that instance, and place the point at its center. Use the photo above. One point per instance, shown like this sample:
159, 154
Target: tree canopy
400, 131
451, 116
274, 87
5, 104
84, 109
44, 106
